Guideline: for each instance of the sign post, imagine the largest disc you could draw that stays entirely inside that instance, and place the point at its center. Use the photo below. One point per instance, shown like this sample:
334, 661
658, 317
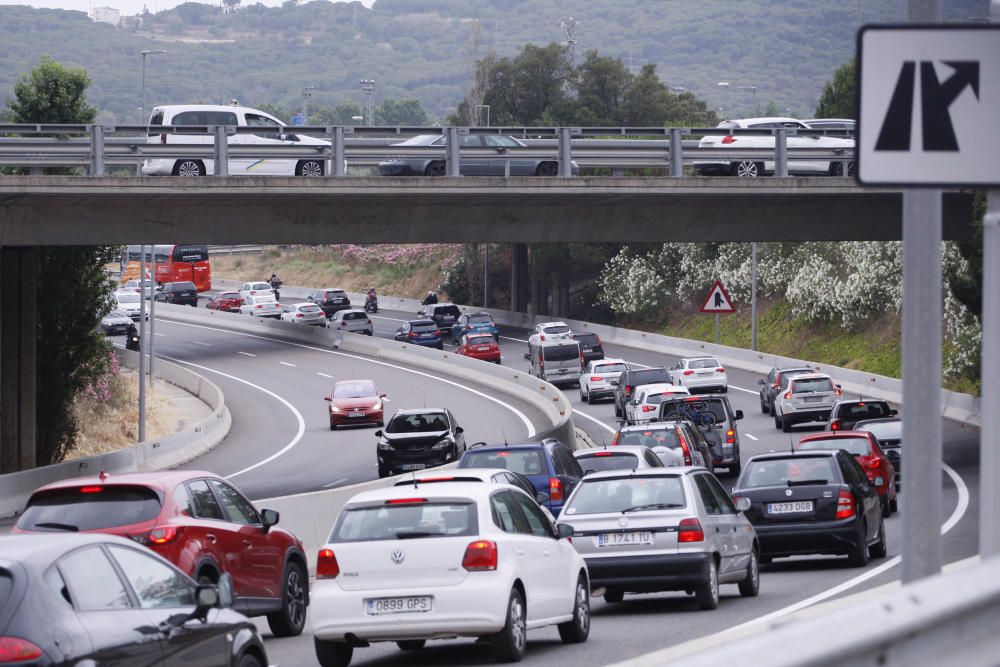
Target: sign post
717, 302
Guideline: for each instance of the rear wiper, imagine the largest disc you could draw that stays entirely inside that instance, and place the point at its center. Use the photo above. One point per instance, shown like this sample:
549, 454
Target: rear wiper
58, 526
808, 482
416, 534
652, 506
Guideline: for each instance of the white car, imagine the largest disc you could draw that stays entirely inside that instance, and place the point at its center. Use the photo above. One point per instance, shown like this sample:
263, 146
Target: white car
436, 561
233, 115
261, 305
809, 398
253, 289
303, 313
599, 379
622, 457
354, 320
129, 302
136, 286
753, 167
487, 475
547, 331
703, 373
644, 406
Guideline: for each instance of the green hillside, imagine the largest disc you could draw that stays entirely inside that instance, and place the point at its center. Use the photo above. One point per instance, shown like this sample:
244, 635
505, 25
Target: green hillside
786, 49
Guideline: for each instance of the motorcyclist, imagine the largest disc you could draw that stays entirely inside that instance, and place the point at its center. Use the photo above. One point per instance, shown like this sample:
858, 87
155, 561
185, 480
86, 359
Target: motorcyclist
275, 283
132, 338
371, 301
431, 298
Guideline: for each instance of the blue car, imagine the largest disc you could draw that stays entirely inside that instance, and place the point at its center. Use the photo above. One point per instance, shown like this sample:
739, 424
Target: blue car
468, 323
421, 332
549, 465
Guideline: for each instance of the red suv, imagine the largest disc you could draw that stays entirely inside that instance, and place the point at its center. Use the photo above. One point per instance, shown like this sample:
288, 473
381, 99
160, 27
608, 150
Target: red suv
866, 451
197, 521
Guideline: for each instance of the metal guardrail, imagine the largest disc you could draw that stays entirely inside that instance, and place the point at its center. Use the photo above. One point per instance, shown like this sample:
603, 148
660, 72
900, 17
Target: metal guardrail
95, 147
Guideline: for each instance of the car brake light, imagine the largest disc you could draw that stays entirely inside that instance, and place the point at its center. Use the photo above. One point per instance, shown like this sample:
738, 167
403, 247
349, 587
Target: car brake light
15, 649
685, 449
258, 306
690, 530
480, 556
845, 505
468, 327
720, 369
327, 566
162, 535
424, 480
91, 489
541, 337
788, 395
298, 314
731, 437
835, 425
406, 501
595, 378
628, 389
412, 334
648, 408
688, 373
555, 488
728, 139
602, 453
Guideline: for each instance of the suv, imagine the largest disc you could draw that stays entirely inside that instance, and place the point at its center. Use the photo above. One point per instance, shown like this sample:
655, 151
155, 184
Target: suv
722, 434
201, 115
845, 414
809, 398
354, 320
196, 520
183, 293
632, 378
444, 314
590, 345
549, 465
686, 443
418, 439
331, 300
770, 387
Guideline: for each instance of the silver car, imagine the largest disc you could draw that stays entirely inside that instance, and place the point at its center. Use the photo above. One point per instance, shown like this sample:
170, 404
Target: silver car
303, 313
627, 457
494, 151
809, 398
662, 529
354, 320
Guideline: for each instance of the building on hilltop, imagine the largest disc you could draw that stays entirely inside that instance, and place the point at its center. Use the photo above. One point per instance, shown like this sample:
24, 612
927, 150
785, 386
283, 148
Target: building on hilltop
105, 15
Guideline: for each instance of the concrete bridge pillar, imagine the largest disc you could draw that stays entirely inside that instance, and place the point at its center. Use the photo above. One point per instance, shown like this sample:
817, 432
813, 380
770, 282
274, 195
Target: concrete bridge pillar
18, 317
519, 277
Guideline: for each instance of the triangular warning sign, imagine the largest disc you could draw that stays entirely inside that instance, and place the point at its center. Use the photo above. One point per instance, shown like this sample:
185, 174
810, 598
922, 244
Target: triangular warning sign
717, 300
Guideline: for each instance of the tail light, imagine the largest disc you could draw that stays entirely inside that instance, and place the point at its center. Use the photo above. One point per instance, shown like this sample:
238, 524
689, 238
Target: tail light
480, 556
541, 337
412, 334
162, 535
541, 362
258, 306
648, 408
15, 649
298, 314
690, 530
788, 395
628, 390
728, 139
845, 505
688, 372
720, 369
602, 454
555, 488
595, 378
730, 437
91, 489
439, 332
614, 440
835, 425
685, 449
468, 327
598, 339
327, 566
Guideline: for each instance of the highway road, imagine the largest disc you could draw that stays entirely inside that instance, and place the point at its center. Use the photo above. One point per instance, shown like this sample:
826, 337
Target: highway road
280, 444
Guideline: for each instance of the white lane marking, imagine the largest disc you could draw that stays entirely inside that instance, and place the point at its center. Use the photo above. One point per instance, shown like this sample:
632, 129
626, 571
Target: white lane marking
285, 363
749, 391
595, 420
961, 506
752, 437
247, 354
518, 340
198, 342
524, 419
324, 375
339, 481
389, 319
298, 415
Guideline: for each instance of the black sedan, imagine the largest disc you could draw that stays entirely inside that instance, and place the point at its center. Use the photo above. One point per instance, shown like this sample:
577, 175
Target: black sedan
181, 293
491, 158
331, 299
85, 599
816, 502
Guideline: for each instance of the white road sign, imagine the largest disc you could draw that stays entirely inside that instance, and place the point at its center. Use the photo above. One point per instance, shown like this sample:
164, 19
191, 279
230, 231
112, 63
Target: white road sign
718, 300
929, 105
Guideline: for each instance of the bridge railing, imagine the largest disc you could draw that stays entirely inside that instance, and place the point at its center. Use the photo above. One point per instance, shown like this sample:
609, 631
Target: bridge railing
95, 147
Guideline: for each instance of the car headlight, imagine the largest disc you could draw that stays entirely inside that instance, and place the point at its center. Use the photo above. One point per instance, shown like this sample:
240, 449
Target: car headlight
334, 408
444, 443
377, 405
384, 446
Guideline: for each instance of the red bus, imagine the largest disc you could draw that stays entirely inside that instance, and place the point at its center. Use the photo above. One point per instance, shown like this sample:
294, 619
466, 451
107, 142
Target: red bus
174, 263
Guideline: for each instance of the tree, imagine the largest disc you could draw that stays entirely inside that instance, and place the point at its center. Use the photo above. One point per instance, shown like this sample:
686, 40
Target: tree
601, 84
838, 97
400, 112
342, 114
75, 291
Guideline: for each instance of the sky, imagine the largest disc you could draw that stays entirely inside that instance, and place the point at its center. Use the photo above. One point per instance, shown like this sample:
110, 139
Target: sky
130, 7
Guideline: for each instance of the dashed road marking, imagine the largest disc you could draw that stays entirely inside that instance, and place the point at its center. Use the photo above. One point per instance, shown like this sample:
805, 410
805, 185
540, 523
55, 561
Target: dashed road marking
285, 363
752, 437
247, 354
324, 375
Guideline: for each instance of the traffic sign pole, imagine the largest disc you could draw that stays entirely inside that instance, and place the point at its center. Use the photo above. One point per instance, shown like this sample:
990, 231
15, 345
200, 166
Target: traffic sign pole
718, 339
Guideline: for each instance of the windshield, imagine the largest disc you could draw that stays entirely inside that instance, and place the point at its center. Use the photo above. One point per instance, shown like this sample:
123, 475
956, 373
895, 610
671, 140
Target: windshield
561, 352
806, 385
127, 298
885, 430
116, 313
703, 363
556, 329
90, 508
788, 472
863, 410
480, 319
524, 461
853, 446
609, 461
406, 521
354, 390
596, 496
610, 368
431, 422
664, 437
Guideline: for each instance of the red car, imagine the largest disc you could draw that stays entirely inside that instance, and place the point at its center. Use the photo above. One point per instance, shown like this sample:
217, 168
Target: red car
482, 346
355, 402
197, 521
865, 449
229, 302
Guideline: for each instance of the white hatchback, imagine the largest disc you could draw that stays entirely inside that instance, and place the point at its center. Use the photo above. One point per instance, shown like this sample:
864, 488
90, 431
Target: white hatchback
645, 403
440, 561
262, 305
598, 380
303, 313
354, 320
248, 290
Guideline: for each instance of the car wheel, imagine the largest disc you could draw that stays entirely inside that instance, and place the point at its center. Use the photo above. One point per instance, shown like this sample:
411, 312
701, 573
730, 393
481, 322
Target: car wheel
880, 548
435, 169
836, 168
725, 390
547, 169
748, 169
249, 660
309, 168
618, 411
333, 427
577, 630
411, 644
763, 407
884, 502
859, 552
894, 505
786, 426
707, 594
750, 586
777, 422
765, 560
292, 618
612, 596
736, 469
333, 654
189, 168
770, 409
509, 643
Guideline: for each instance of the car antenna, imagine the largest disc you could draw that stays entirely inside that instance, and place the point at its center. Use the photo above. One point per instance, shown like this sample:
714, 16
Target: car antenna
791, 447
504, 432
416, 484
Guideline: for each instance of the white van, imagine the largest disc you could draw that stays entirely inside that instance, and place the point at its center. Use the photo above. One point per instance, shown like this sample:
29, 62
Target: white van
556, 361
214, 114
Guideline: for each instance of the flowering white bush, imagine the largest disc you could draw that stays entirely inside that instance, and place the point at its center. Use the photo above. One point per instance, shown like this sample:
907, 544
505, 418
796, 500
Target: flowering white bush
632, 284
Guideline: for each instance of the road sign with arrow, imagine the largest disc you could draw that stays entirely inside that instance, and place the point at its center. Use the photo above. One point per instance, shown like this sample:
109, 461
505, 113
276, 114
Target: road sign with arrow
718, 300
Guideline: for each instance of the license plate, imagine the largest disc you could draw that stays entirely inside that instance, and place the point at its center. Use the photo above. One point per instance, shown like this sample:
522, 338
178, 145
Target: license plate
413, 466
355, 414
790, 508
703, 373
623, 539
483, 348
412, 605
812, 399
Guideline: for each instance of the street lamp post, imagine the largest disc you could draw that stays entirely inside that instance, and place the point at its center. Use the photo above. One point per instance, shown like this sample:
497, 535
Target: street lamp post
144, 54
368, 88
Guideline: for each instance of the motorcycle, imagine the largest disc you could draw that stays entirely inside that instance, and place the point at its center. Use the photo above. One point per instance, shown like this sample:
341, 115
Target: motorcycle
275, 284
371, 304
132, 341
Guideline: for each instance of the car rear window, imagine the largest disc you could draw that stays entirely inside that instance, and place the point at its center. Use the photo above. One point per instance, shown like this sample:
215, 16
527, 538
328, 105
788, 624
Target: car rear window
609, 461
255, 286
425, 327
447, 310
806, 385
819, 470
309, 309
181, 287
426, 423
485, 339
524, 461
127, 298
885, 430
703, 363
557, 329
865, 410
853, 446
648, 376
656, 399
229, 295
610, 368
354, 390
406, 521
336, 294
665, 437
713, 405
561, 352
480, 319
587, 338
92, 507
618, 494
355, 316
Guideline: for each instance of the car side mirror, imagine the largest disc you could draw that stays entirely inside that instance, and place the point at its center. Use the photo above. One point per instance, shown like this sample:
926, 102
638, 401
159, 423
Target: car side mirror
378, 434
893, 413
328, 399
383, 395
838, 386
459, 430
269, 518
739, 414
742, 504
564, 530
541, 497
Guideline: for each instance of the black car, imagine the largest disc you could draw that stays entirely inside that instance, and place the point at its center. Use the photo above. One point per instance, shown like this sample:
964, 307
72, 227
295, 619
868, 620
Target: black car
183, 293
417, 439
331, 300
632, 378
590, 346
94, 599
444, 314
846, 413
770, 387
889, 433
812, 502
722, 433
